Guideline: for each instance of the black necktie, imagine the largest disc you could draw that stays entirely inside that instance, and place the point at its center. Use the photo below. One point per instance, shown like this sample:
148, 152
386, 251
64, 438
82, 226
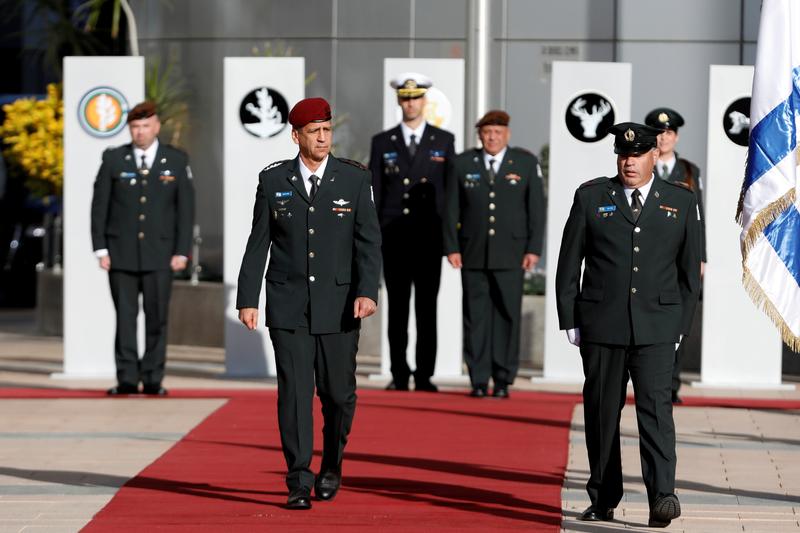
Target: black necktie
412, 146
314, 179
143, 166
636, 203
491, 171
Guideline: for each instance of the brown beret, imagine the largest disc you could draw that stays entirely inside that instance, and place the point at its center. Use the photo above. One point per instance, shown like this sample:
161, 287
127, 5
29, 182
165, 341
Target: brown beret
144, 110
309, 110
495, 117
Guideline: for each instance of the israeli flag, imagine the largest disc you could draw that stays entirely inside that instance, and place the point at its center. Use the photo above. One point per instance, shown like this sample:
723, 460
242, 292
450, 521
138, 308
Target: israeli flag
768, 208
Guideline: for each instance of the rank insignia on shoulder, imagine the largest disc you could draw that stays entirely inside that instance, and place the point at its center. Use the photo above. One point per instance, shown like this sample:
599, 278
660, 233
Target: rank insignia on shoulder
593, 182
283, 194
354, 163
275, 164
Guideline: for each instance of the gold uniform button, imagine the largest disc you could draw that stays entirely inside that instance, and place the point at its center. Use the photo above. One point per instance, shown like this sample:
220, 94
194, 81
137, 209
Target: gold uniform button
311, 255
405, 196
406, 181
636, 249
144, 182
311, 231
491, 207
492, 219
145, 171
311, 209
491, 232
141, 217
637, 230
143, 199
633, 290
492, 194
141, 235
424, 180
311, 278
636, 269
406, 211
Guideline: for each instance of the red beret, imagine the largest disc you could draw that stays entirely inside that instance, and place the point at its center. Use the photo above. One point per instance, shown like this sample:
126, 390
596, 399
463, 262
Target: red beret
309, 110
144, 110
494, 117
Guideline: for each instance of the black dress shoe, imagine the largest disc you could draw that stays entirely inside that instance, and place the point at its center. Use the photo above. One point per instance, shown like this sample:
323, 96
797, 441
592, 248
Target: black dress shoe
479, 391
327, 484
397, 385
154, 390
664, 510
123, 389
500, 390
425, 385
675, 398
299, 499
597, 514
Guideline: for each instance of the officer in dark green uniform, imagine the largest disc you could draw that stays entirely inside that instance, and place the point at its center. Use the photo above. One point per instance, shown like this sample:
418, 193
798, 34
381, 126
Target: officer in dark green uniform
493, 231
142, 217
639, 241
315, 216
672, 168
408, 164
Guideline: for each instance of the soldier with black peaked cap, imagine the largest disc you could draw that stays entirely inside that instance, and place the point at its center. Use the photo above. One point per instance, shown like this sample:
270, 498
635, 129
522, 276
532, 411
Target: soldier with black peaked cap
672, 168
493, 232
639, 241
314, 215
142, 218
408, 164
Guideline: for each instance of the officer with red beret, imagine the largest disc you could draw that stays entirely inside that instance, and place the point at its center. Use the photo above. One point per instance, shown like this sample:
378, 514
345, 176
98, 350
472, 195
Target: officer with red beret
493, 231
315, 216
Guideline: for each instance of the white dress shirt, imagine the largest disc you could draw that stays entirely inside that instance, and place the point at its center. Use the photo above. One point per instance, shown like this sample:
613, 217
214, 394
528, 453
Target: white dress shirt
149, 155
669, 164
644, 190
306, 173
498, 158
417, 132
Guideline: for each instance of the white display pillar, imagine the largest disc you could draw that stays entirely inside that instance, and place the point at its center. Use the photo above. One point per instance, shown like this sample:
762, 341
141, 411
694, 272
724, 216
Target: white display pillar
98, 92
586, 98
741, 347
258, 94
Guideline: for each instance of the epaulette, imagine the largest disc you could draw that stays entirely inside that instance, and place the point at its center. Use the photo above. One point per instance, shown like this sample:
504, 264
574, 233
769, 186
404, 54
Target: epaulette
275, 164
352, 162
523, 150
593, 182
681, 184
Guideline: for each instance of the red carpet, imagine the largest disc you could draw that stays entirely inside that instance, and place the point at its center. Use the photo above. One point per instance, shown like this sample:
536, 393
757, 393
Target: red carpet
415, 462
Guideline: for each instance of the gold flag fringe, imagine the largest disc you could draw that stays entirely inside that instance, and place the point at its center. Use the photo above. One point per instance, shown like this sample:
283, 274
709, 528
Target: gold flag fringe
764, 219
759, 298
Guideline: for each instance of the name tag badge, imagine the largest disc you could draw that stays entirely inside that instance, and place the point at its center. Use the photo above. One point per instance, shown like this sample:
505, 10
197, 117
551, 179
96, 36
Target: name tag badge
473, 177
283, 194
606, 211
127, 175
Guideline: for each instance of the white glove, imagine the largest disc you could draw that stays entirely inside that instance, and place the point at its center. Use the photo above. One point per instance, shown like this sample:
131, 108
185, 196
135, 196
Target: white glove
677, 344
574, 336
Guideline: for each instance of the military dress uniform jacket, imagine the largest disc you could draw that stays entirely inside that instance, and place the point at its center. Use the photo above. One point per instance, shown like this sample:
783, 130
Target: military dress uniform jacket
143, 220
684, 171
410, 187
493, 226
323, 253
641, 279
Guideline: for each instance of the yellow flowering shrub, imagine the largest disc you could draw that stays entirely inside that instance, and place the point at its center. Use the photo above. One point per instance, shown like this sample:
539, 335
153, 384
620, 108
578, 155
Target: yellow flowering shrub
33, 137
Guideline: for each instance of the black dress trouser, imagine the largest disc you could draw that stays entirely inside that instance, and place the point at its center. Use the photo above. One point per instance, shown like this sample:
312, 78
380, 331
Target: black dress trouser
155, 287
492, 307
412, 256
304, 360
606, 369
